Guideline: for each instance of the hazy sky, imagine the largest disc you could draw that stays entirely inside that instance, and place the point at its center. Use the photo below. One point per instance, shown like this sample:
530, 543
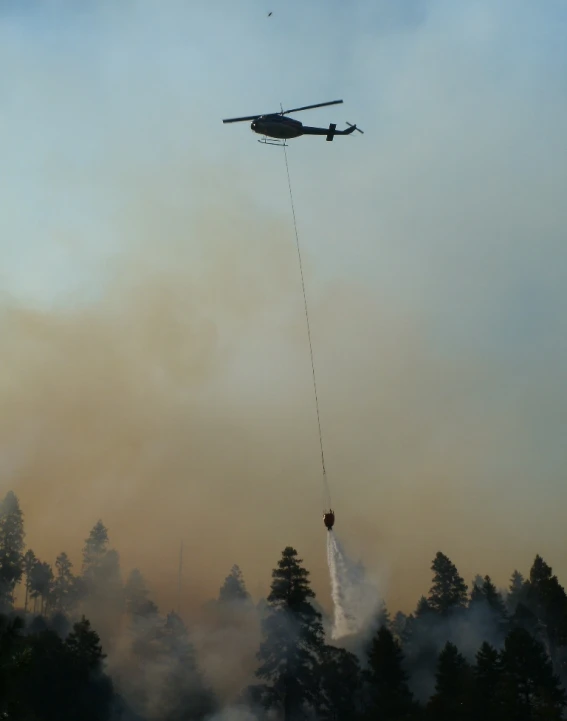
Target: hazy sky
154, 367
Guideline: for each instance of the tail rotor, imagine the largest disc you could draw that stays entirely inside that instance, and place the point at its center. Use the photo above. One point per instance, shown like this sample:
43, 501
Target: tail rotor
355, 127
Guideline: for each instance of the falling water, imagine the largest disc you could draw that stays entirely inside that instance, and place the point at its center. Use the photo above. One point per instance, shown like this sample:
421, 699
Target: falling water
355, 599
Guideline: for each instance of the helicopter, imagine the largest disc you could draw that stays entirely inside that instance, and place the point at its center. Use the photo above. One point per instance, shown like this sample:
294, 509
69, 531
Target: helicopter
281, 128
329, 519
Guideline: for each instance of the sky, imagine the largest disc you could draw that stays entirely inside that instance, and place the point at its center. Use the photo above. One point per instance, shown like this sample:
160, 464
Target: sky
154, 366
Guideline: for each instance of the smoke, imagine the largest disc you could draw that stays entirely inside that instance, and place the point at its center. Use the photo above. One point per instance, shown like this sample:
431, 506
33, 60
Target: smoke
356, 599
154, 362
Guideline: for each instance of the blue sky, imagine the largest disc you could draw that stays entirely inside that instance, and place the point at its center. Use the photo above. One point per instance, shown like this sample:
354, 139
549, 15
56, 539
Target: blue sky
434, 250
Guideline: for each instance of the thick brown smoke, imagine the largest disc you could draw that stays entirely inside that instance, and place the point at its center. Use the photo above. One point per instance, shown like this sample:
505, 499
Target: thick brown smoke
163, 383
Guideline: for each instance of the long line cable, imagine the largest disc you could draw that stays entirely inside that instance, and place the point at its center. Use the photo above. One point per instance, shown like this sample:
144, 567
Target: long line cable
325, 483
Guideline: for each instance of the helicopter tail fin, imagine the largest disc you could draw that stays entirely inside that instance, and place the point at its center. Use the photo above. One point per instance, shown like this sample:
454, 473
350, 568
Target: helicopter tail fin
331, 133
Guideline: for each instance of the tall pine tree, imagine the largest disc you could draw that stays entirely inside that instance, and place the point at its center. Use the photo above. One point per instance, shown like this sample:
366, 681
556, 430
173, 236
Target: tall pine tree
340, 686
291, 652
387, 694
448, 592
530, 688
103, 589
29, 562
517, 592
66, 587
453, 687
487, 683
41, 586
11, 548
547, 599
184, 693
233, 589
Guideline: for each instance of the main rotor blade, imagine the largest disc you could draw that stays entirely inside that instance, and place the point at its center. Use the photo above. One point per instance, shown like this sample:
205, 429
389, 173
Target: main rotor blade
308, 107
238, 120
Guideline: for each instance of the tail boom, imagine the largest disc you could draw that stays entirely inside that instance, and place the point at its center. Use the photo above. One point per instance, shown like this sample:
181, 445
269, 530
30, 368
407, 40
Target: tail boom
329, 132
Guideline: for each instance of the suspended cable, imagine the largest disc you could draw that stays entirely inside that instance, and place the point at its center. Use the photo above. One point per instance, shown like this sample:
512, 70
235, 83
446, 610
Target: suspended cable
325, 483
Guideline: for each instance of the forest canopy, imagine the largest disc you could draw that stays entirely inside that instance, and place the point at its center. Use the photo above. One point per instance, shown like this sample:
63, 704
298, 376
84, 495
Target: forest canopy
90, 643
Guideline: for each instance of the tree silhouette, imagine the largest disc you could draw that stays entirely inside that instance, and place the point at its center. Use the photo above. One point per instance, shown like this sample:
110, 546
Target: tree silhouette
452, 698
488, 679
11, 548
387, 693
399, 624
66, 587
55, 680
102, 582
340, 686
382, 617
421, 639
29, 562
291, 651
488, 610
95, 549
84, 646
184, 694
234, 588
136, 594
530, 688
12, 666
547, 599
517, 592
41, 585
448, 592
493, 597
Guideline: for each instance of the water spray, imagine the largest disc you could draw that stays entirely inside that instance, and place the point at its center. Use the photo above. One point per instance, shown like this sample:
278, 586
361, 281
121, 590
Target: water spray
356, 599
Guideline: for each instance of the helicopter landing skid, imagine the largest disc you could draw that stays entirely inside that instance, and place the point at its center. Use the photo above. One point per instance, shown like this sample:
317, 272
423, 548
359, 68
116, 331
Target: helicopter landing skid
281, 143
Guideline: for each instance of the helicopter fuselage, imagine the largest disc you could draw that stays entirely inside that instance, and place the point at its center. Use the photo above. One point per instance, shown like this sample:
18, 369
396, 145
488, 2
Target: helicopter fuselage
277, 126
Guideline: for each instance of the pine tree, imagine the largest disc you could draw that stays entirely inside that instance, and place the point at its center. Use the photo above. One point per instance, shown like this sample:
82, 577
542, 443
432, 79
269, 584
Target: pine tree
95, 549
488, 678
530, 688
340, 685
291, 651
517, 592
423, 608
41, 585
102, 584
65, 585
421, 639
56, 680
487, 609
399, 624
233, 589
493, 597
547, 599
29, 562
136, 594
90, 691
11, 548
448, 592
83, 643
525, 618
453, 687
477, 597
184, 695
386, 684
383, 616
